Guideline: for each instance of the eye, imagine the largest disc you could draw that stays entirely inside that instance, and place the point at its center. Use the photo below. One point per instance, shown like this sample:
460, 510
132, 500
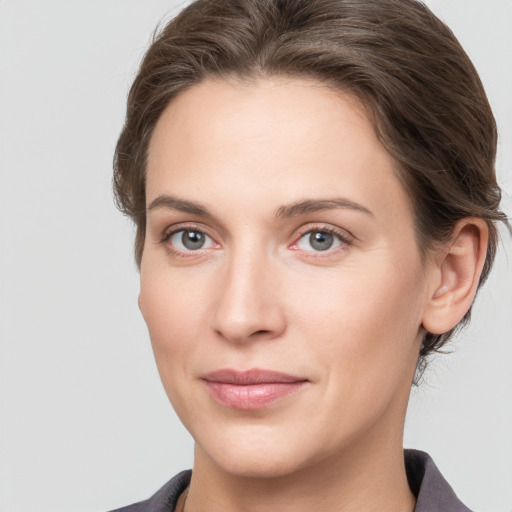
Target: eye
319, 240
186, 240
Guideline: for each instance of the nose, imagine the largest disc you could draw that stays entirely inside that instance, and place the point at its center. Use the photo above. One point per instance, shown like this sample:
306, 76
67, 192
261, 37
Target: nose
248, 306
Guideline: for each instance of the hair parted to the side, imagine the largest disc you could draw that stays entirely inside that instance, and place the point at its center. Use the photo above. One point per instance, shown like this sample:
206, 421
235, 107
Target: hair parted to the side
420, 89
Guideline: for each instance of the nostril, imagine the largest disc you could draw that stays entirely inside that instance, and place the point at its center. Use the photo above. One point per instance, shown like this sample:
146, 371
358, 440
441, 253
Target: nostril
260, 332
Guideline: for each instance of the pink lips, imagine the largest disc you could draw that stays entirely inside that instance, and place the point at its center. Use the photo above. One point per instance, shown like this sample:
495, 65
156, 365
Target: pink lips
252, 389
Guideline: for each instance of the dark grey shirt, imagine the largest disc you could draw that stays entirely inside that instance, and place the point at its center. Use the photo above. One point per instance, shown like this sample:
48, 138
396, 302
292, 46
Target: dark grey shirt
432, 491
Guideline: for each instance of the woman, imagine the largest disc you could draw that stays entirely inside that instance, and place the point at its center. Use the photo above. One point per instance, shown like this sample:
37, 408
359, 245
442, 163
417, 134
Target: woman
315, 200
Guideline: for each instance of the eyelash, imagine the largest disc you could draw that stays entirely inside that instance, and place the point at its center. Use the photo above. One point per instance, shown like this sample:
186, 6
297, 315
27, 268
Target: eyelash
168, 234
345, 239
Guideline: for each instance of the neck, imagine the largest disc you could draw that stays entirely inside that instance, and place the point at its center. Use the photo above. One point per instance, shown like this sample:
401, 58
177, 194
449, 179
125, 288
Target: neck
361, 479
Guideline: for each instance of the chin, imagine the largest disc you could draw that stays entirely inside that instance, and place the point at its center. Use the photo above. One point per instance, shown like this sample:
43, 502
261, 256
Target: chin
254, 456
256, 465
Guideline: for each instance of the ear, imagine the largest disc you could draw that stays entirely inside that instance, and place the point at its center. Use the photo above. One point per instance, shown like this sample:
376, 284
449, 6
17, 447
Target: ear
457, 268
140, 303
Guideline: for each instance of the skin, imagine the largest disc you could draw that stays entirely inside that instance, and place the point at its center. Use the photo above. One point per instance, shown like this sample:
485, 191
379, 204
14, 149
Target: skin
230, 160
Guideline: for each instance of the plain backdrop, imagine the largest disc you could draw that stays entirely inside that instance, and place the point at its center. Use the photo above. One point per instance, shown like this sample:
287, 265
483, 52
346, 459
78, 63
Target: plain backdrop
85, 425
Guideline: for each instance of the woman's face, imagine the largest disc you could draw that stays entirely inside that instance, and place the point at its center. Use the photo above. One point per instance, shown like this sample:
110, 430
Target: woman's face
279, 239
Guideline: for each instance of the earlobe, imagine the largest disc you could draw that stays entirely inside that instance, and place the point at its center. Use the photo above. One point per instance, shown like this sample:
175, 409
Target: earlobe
457, 274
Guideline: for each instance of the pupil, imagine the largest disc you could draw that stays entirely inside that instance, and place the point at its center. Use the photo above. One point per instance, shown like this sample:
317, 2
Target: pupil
193, 239
321, 241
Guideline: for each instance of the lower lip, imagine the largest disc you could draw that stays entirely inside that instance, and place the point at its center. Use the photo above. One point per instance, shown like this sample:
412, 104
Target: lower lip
251, 396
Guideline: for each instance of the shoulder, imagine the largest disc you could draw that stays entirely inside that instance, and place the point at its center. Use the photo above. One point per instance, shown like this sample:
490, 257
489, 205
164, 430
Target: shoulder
433, 493
164, 500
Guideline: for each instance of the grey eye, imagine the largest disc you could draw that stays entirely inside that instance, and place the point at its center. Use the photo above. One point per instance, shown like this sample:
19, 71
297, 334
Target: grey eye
190, 240
319, 241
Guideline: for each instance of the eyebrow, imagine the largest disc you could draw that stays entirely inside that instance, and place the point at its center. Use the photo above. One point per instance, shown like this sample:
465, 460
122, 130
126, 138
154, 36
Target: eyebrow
182, 205
316, 205
292, 210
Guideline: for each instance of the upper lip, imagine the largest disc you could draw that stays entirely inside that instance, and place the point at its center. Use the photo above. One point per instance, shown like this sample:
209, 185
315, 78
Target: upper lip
252, 376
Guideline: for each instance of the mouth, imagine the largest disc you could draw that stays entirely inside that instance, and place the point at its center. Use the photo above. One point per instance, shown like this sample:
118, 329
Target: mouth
251, 389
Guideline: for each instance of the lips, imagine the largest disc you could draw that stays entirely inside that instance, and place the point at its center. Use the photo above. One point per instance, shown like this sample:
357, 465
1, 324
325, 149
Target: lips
251, 389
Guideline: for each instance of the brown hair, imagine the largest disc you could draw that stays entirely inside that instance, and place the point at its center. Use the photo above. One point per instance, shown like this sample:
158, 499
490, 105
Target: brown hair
419, 87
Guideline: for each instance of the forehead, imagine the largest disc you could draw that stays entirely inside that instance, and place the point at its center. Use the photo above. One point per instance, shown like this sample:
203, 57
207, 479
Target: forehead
278, 139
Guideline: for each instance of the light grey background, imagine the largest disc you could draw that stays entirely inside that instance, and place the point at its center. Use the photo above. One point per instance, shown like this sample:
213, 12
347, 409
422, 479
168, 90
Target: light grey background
85, 425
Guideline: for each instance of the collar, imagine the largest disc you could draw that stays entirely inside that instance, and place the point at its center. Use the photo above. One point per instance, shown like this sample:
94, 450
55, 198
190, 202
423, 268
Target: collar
433, 493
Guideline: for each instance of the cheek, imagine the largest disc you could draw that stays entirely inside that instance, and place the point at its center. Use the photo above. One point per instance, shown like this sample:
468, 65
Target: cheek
379, 297
364, 323
171, 315
170, 302
362, 332
175, 319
